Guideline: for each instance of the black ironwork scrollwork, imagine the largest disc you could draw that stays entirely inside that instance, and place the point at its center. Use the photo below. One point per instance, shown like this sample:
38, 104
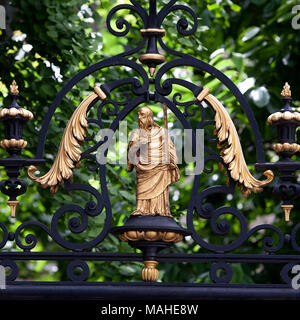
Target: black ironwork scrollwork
121, 23
4, 236
75, 224
14, 270
218, 267
182, 24
84, 273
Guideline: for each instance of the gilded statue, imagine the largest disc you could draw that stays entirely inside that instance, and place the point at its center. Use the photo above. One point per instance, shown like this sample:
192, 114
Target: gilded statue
152, 153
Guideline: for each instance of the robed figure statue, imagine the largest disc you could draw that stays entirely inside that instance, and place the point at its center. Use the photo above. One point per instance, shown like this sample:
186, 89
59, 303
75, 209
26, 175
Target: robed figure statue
152, 153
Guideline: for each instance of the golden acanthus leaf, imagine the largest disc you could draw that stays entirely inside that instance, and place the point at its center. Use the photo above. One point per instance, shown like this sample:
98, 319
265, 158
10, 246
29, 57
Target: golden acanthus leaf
231, 149
69, 152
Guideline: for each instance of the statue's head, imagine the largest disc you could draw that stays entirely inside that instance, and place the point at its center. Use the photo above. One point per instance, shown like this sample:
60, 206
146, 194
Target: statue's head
145, 118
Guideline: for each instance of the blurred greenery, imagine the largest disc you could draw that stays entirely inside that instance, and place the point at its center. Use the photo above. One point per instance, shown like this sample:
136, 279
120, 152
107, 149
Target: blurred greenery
47, 42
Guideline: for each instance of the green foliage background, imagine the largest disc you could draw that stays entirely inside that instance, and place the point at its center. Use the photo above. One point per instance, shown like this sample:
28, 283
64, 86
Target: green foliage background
251, 41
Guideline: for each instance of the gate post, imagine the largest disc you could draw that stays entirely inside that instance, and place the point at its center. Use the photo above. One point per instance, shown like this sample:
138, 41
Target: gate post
287, 120
14, 118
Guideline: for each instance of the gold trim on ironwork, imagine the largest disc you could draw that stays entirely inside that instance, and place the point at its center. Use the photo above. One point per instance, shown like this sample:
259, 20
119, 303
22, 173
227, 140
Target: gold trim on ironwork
13, 143
151, 71
286, 92
149, 272
69, 152
161, 32
165, 236
13, 205
231, 150
14, 88
286, 115
286, 147
203, 94
102, 96
152, 56
287, 210
13, 112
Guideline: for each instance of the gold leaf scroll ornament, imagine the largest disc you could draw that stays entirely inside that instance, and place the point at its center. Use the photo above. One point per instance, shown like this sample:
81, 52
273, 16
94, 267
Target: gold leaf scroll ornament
69, 152
231, 150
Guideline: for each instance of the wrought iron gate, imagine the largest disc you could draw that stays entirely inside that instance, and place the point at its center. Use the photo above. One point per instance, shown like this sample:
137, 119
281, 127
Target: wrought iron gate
152, 85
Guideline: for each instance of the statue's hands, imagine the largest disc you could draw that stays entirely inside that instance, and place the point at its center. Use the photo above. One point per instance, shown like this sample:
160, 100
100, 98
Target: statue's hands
143, 138
143, 141
138, 137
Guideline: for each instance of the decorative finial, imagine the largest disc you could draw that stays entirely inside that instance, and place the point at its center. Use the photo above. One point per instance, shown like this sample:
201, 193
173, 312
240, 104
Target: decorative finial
13, 205
14, 88
286, 92
150, 273
152, 71
287, 210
